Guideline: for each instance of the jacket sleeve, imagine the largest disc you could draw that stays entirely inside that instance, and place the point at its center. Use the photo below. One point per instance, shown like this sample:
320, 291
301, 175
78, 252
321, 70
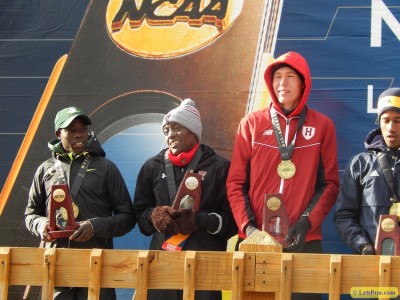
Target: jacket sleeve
123, 218
327, 181
228, 226
348, 208
35, 211
144, 200
238, 182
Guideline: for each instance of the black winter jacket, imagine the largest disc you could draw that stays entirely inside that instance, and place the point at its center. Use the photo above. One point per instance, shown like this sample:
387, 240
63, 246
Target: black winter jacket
103, 197
152, 191
364, 194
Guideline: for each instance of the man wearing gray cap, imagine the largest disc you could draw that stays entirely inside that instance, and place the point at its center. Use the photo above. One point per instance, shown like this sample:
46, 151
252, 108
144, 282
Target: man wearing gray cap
102, 205
367, 190
210, 227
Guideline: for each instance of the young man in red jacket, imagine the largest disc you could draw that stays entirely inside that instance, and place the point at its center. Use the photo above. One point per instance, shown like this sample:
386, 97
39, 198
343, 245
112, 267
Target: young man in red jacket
288, 149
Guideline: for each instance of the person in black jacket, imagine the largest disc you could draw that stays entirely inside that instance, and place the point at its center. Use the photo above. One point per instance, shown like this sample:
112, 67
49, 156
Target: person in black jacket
210, 227
102, 205
365, 193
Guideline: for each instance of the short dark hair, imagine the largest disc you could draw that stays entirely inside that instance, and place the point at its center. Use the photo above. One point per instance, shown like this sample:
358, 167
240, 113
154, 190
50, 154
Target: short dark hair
278, 66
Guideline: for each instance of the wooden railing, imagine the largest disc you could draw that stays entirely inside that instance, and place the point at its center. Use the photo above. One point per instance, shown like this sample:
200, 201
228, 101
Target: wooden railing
278, 274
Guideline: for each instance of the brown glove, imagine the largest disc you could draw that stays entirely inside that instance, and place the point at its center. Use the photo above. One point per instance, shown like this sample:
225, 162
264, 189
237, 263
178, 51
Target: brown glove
163, 221
186, 220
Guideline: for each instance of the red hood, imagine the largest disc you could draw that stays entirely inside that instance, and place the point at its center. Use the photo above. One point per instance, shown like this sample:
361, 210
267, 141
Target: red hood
297, 62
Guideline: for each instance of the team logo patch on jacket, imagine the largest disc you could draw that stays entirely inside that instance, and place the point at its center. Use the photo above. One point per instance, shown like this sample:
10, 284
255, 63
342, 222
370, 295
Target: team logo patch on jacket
308, 132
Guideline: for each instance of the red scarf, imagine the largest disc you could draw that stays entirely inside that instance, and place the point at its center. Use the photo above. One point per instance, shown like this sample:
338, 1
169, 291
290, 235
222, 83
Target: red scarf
183, 158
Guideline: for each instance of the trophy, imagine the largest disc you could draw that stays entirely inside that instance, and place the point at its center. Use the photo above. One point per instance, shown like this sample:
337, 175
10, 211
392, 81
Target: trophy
275, 220
387, 240
188, 196
61, 213
189, 192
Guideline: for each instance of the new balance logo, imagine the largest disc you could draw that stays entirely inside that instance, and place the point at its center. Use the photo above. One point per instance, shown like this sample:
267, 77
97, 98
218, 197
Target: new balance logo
268, 132
374, 174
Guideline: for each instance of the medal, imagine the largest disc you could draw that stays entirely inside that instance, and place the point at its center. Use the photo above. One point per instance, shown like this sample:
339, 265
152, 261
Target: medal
395, 210
286, 169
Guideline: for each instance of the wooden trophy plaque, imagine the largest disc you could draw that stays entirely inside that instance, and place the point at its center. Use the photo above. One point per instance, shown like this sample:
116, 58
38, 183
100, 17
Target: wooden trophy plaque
188, 196
388, 236
189, 192
275, 220
59, 199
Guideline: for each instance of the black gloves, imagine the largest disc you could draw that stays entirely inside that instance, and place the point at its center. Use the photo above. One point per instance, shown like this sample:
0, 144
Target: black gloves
186, 220
297, 234
163, 220
367, 249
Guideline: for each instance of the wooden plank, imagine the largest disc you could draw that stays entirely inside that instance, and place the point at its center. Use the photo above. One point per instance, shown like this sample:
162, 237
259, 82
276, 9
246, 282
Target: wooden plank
49, 266
384, 272
119, 269
286, 277
190, 276
5, 258
142, 275
310, 273
213, 270
26, 266
73, 267
335, 276
262, 242
237, 275
95, 273
359, 271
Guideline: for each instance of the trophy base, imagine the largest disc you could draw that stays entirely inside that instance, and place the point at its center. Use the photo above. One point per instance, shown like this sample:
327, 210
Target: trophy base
59, 234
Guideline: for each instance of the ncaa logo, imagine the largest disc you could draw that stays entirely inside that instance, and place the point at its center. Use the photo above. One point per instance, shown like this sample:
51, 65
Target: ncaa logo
308, 132
167, 29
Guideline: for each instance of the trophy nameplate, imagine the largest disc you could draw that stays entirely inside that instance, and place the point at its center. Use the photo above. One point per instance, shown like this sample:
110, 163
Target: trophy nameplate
61, 199
188, 196
388, 236
275, 220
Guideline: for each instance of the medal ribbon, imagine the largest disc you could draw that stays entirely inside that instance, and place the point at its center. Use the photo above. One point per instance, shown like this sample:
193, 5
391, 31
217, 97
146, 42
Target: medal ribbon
79, 177
286, 151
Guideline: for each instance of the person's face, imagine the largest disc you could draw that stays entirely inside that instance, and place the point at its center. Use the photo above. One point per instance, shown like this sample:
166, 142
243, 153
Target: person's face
288, 87
390, 127
179, 138
74, 138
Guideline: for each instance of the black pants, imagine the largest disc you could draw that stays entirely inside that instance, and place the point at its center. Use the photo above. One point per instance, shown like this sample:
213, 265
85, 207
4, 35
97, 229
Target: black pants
61, 293
178, 295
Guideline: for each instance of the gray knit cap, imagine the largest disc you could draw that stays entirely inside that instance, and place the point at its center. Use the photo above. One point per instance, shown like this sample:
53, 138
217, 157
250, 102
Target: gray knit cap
187, 115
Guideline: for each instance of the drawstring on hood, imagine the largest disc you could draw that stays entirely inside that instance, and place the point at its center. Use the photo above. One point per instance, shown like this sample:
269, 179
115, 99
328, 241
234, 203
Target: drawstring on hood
299, 64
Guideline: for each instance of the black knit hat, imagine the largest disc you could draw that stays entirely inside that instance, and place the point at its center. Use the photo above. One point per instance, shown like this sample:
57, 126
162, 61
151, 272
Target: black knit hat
389, 100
